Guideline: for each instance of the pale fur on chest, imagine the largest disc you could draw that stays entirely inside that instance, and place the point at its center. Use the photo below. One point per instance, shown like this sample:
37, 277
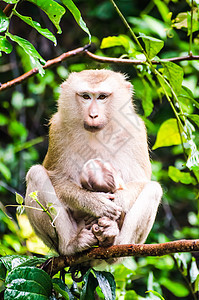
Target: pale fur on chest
119, 153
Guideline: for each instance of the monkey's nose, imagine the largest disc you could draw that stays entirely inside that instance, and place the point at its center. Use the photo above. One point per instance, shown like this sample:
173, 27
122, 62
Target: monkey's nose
93, 115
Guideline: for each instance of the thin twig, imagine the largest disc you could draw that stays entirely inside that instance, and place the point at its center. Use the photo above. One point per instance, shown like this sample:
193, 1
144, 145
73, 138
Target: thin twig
50, 63
55, 264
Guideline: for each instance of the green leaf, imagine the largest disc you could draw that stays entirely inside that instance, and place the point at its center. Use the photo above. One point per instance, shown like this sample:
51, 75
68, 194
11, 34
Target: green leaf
17, 129
192, 21
168, 134
156, 294
13, 261
5, 46
187, 94
19, 198
174, 74
35, 57
194, 118
5, 171
147, 101
163, 10
77, 15
106, 283
88, 289
11, 1
60, 287
180, 21
53, 10
3, 120
178, 289
44, 31
179, 176
196, 287
131, 295
152, 45
4, 21
120, 40
28, 283
194, 272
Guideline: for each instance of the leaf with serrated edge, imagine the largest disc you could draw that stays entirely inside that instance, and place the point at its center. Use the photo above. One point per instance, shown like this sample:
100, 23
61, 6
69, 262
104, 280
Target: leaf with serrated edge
53, 10
44, 31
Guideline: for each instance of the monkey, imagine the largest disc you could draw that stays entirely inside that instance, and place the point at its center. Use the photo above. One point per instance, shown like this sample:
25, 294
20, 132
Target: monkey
96, 117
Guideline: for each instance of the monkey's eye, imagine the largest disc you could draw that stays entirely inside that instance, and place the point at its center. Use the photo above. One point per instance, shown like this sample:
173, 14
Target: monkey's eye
86, 96
102, 97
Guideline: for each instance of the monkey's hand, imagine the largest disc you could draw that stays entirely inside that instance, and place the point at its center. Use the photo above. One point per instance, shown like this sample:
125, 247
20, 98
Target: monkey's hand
104, 207
105, 231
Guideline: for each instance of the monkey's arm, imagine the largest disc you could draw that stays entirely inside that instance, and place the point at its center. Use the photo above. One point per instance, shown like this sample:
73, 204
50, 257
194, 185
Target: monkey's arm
96, 204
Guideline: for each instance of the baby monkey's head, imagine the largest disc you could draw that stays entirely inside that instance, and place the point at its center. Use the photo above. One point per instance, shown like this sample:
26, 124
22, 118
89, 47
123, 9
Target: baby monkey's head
100, 176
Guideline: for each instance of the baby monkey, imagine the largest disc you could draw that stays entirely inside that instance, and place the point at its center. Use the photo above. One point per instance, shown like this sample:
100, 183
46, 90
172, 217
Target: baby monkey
100, 176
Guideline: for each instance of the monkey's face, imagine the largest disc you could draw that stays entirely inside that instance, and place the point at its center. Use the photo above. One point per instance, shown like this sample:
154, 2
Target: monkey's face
94, 106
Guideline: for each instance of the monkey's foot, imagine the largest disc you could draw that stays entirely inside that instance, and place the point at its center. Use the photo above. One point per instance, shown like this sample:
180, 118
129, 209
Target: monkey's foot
86, 239
105, 231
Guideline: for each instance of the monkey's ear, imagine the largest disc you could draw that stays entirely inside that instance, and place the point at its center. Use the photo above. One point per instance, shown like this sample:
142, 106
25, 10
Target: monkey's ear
63, 84
129, 85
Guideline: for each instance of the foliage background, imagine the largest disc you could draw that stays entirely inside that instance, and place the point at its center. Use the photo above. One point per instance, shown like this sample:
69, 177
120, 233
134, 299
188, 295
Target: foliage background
26, 109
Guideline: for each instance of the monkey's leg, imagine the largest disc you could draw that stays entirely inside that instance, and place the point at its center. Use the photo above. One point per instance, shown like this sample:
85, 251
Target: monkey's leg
62, 234
140, 218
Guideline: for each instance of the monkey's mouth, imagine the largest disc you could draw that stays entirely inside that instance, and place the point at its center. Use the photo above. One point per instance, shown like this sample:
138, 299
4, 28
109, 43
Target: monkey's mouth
93, 128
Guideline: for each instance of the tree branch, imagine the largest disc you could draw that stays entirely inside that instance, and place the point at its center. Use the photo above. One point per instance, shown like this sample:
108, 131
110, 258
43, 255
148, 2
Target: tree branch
55, 264
138, 62
50, 63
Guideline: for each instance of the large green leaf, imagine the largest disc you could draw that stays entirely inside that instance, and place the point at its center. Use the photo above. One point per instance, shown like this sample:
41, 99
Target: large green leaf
14, 261
5, 46
174, 74
88, 289
53, 10
179, 176
77, 15
4, 21
152, 45
106, 283
168, 134
28, 283
60, 287
44, 31
34, 56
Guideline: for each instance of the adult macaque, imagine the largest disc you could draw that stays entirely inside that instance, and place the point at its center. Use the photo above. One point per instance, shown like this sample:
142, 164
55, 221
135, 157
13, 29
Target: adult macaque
95, 118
